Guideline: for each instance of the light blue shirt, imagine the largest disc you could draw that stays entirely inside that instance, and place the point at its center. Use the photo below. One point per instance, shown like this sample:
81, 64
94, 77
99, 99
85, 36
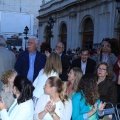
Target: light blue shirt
31, 66
60, 55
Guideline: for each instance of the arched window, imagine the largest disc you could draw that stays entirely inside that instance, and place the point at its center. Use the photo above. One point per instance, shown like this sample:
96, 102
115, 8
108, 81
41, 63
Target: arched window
88, 30
63, 34
46, 34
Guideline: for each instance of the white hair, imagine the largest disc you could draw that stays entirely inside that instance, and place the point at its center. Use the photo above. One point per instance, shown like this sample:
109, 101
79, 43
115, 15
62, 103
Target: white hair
36, 40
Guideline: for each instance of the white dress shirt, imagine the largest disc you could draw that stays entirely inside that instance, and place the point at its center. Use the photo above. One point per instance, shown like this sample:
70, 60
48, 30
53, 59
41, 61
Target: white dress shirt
83, 66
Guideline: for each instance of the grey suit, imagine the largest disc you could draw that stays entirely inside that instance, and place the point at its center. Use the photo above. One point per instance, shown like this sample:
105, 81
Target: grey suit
7, 60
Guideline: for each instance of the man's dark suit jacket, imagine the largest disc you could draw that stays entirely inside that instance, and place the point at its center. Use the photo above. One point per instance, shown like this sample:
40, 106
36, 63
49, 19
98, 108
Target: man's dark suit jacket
22, 63
65, 66
90, 67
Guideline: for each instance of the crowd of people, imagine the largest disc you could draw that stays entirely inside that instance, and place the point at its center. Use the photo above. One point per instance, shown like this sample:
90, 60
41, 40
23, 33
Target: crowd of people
49, 86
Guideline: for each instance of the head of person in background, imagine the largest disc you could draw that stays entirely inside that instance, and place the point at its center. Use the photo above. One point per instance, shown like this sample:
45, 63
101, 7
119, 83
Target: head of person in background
8, 79
56, 105
32, 45
59, 48
105, 47
103, 72
54, 85
53, 63
6, 93
2, 41
84, 54
23, 90
74, 76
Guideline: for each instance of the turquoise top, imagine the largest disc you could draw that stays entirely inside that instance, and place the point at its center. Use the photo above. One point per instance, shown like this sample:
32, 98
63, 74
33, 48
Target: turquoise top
80, 108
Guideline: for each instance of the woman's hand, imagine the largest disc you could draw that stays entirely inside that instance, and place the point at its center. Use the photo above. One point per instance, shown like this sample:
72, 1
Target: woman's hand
50, 107
101, 107
2, 105
94, 109
47, 53
98, 51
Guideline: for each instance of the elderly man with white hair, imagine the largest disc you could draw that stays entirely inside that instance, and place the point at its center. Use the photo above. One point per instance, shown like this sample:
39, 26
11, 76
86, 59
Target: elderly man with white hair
31, 61
7, 57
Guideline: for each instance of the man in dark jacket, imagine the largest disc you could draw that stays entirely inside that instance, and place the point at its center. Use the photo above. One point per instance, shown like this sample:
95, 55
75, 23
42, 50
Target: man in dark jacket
86, 64
30, 62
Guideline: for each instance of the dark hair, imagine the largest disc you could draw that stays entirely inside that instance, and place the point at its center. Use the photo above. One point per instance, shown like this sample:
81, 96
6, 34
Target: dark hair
104, 41
88, 88
25, 88
84, 49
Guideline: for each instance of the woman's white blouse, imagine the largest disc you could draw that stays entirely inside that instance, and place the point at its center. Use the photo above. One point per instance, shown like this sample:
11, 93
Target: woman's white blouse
63, 111
22, 111
40, 82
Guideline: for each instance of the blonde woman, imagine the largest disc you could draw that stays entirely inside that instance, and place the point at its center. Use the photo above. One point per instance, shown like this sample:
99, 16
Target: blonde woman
53, 67
6, 93
74, 77
55, 103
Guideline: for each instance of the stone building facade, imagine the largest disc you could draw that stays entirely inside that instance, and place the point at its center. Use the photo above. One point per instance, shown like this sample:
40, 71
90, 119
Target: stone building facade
79, 23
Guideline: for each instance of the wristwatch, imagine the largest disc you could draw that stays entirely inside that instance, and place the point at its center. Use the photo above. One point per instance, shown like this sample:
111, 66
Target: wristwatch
53, 115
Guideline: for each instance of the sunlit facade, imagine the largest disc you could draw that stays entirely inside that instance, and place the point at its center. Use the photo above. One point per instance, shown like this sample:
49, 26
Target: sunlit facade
79, 23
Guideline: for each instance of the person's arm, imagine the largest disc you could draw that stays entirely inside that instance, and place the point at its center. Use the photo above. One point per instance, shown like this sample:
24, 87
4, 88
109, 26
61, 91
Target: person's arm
112, 58
101, 107
18, 64
76, 114
50, 107
40, 110
118, 63
67, 111
113, 95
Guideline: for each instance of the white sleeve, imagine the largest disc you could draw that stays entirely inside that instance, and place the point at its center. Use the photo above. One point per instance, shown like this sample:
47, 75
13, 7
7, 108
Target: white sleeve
24, 113
39, 106
4, 114
37, 78
67, 111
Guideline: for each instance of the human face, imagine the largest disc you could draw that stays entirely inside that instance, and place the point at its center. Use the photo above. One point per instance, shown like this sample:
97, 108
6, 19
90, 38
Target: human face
106, 47
32, 45
11, 79
47, 87
84, 56
59, 48
102, 71
71, 76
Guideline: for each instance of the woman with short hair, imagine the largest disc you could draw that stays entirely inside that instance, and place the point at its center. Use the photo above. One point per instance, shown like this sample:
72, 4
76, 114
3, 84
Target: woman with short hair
22, 108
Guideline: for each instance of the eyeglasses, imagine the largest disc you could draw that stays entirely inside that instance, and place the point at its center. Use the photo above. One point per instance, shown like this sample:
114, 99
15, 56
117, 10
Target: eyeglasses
101, 69
105, 45
59, 46
85, 55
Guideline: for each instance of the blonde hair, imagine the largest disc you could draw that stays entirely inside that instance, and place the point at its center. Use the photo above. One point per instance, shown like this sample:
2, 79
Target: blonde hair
53, 63
60, 87
7, 74
78, 75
